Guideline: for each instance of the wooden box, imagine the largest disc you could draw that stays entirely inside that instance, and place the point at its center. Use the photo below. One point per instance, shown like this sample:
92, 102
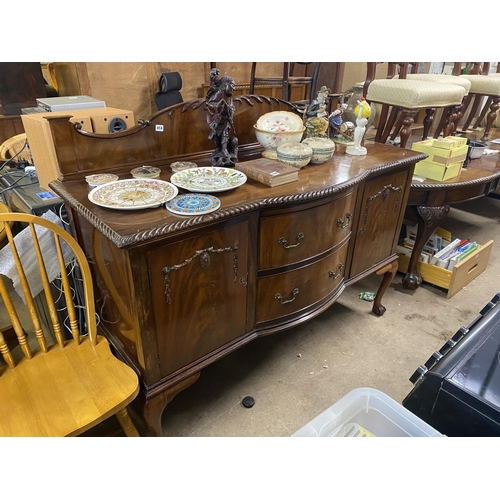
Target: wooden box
455, 279
41, 143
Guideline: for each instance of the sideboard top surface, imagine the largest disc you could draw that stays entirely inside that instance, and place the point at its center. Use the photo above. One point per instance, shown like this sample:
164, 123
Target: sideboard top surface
127, 228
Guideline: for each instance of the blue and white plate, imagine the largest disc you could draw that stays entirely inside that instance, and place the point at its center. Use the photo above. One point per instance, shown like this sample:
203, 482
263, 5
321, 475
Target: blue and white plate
193, 204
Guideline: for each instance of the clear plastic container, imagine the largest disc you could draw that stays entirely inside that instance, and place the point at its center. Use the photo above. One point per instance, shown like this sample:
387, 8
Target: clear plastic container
366, 412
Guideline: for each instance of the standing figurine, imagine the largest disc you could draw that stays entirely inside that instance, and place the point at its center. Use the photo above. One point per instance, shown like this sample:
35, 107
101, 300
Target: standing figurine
316, 117
220, 113
362, 112
340, 130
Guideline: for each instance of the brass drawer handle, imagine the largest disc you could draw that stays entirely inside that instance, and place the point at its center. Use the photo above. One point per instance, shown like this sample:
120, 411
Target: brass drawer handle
279, 297
343, 224
334, 275
284, 242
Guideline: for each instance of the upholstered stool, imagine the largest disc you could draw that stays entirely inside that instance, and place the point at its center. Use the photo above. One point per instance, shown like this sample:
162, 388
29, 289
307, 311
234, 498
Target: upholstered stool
409, 97
448, 79
488, 86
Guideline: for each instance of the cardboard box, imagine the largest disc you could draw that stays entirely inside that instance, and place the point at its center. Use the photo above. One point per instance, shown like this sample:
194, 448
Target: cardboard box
449, 142
437, 172
441, 155
455, 279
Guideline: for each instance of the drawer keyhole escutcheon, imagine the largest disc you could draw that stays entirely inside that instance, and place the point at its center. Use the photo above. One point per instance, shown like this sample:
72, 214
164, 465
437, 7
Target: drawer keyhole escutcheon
279, 297
344, 223
334, 275
283, 241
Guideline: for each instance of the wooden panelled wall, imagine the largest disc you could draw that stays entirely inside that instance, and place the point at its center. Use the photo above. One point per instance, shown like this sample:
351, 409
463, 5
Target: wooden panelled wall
131, 85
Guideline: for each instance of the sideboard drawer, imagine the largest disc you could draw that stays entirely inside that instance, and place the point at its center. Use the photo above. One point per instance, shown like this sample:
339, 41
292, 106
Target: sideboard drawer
285, 293
289, 238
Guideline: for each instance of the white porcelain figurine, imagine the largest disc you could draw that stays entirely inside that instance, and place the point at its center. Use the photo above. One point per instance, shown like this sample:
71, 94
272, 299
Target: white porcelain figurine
362, 112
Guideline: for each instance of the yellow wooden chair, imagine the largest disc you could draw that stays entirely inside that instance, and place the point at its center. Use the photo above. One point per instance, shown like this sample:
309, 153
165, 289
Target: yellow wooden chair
69, 387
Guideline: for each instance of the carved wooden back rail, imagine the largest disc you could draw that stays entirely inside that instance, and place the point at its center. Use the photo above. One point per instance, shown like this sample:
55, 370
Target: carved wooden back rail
179, 132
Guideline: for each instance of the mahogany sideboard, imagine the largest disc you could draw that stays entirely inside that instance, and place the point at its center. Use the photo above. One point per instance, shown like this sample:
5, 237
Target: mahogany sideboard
177, 293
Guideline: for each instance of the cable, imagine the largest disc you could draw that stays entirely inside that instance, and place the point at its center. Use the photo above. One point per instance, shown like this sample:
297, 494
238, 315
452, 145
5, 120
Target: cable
15, 182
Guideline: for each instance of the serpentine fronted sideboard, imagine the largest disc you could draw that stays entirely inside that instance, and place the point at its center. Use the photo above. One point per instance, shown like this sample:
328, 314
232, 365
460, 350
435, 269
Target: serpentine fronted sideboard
176, 294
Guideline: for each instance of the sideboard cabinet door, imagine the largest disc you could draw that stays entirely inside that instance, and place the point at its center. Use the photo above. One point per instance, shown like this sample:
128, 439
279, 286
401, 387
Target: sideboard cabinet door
199, 294
383, 201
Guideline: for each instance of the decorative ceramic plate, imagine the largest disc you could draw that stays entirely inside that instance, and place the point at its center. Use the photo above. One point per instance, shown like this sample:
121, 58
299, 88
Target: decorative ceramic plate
208, 179
193, 204
133, 194
100, 179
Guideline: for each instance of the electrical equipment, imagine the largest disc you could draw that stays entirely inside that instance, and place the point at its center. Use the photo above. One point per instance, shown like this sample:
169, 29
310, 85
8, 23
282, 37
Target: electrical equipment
39, 134
69, 103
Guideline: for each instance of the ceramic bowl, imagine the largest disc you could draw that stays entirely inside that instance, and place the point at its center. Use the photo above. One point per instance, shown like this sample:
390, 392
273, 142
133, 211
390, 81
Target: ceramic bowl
271, 140
280, 121
177, 166
146, 172
322, 148
95, 180
295, 154
476, 149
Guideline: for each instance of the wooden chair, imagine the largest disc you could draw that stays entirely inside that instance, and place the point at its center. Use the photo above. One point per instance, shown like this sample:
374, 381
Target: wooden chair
69, 387
287, 79
405, 98
483, 86
15, 146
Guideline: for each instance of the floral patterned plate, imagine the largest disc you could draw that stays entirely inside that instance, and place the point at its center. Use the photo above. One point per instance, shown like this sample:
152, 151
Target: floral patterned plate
208, 179
133, 194
193, 204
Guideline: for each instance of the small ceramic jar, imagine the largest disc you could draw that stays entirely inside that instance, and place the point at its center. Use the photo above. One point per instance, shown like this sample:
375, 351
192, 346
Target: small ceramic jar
322, 148
146, 172
95, 180
295, 154
177, 166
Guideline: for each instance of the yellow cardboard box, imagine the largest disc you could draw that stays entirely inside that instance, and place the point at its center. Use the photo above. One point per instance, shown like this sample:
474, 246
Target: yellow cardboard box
441, 155
450, 142
437, 172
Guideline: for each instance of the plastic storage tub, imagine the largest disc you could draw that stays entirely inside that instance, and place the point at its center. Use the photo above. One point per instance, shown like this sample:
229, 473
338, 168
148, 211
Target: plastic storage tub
366, 412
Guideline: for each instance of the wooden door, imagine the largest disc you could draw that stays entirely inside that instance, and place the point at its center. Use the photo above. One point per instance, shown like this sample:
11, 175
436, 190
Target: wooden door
381, 210
199, 294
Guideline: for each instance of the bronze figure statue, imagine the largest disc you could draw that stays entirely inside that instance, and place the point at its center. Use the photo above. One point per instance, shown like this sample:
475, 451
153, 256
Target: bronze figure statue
220, 113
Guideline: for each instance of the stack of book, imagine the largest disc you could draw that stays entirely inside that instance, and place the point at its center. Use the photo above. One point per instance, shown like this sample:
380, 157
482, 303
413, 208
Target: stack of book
440, 250
439, 240
454, 253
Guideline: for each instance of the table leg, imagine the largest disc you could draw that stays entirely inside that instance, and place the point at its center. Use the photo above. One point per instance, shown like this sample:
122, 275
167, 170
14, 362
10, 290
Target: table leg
389, 272
429, 219
153, 406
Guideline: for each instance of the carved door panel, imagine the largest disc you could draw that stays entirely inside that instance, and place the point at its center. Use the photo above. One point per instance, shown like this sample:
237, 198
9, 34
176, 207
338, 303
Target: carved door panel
199, 294
381, 211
